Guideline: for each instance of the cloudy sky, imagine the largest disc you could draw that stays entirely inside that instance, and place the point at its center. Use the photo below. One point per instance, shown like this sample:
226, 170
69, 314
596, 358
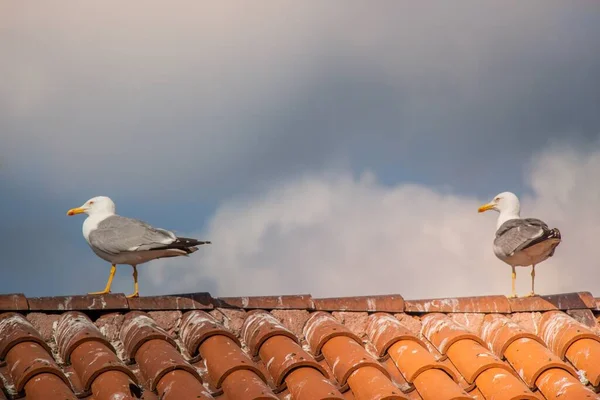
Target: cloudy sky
333, 148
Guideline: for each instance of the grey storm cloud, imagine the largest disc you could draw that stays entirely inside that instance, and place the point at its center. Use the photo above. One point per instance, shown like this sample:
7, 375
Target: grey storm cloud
145, 98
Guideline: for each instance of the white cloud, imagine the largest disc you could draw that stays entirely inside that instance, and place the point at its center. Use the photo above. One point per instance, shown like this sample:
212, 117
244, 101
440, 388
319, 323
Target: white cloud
344, 236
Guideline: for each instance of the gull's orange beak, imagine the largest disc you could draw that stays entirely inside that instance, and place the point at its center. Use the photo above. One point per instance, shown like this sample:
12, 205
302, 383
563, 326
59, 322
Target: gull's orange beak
486, 207
75, 211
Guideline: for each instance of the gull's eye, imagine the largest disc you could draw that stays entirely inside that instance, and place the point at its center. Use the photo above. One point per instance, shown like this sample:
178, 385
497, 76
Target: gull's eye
91, 202
497, 199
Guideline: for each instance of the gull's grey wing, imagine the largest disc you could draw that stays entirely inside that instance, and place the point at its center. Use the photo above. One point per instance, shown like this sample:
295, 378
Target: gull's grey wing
517, 234
118, 234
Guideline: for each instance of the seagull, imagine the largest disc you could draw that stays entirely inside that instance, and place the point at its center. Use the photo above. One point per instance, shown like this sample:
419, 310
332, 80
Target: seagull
122, 240
520, 242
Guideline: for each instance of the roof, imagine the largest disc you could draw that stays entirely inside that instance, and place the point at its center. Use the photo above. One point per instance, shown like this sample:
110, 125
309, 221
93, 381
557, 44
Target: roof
194, 346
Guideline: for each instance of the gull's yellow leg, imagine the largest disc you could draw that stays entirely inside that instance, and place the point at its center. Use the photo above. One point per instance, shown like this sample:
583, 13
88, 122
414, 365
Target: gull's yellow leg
106, 290
136, 292
514, 278
532, 282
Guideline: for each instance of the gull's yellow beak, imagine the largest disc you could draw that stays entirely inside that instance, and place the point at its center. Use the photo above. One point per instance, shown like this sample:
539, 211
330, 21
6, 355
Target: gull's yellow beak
486, 207
75, 211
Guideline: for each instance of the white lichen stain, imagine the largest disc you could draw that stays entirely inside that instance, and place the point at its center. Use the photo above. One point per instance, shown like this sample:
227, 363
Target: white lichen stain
371, 304
498, 376
561, 386
583, 377
245, 302
313, 322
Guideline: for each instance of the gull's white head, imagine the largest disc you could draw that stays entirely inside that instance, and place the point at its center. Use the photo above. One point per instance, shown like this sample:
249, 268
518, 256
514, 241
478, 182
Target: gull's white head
504, 203
95, 205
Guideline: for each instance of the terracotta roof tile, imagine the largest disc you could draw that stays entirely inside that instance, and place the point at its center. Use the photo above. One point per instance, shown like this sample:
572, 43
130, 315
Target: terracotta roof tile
259, 327
386, 303
79, 303
222, 357
529, 358
13, 302
198, 326
500, 332
308, 384
303, 301
443, 332
565, 301
483, 304
299, 348
322, 327
82, 345
192, 301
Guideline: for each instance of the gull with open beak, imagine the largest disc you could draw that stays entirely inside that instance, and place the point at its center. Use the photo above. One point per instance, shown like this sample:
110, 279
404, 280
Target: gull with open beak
520, 242
122, 240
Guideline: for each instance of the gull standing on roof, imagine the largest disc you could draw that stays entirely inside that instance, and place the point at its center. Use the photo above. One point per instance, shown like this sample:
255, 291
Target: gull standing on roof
122, 240
520, 242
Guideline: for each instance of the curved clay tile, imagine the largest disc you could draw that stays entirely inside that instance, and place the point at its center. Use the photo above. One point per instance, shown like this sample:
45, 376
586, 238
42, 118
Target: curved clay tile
530, 359
197, 326
471, 359
584, 354
156, 354
557, 384
281, 355
28, 359
246, 385
322, 327
498, 384
156, 358
384, 330
396, 376
91, 359
345, 356
48, 386
443, 332
435, 384
499, 332
14, 329
139, 328
222, 357
74, 328
462, 382
369, 383
260, 326
414, 395
309, 384
82, 344
560, 331
112, 385
179, 384
412, 359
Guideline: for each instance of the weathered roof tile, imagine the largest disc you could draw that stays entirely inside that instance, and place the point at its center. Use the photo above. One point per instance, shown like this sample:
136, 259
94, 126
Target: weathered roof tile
300, 348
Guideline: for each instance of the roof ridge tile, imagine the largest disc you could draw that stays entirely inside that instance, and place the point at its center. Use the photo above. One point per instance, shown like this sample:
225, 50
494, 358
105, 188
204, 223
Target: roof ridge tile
393, 303
562, 301
282, 302
473, 304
